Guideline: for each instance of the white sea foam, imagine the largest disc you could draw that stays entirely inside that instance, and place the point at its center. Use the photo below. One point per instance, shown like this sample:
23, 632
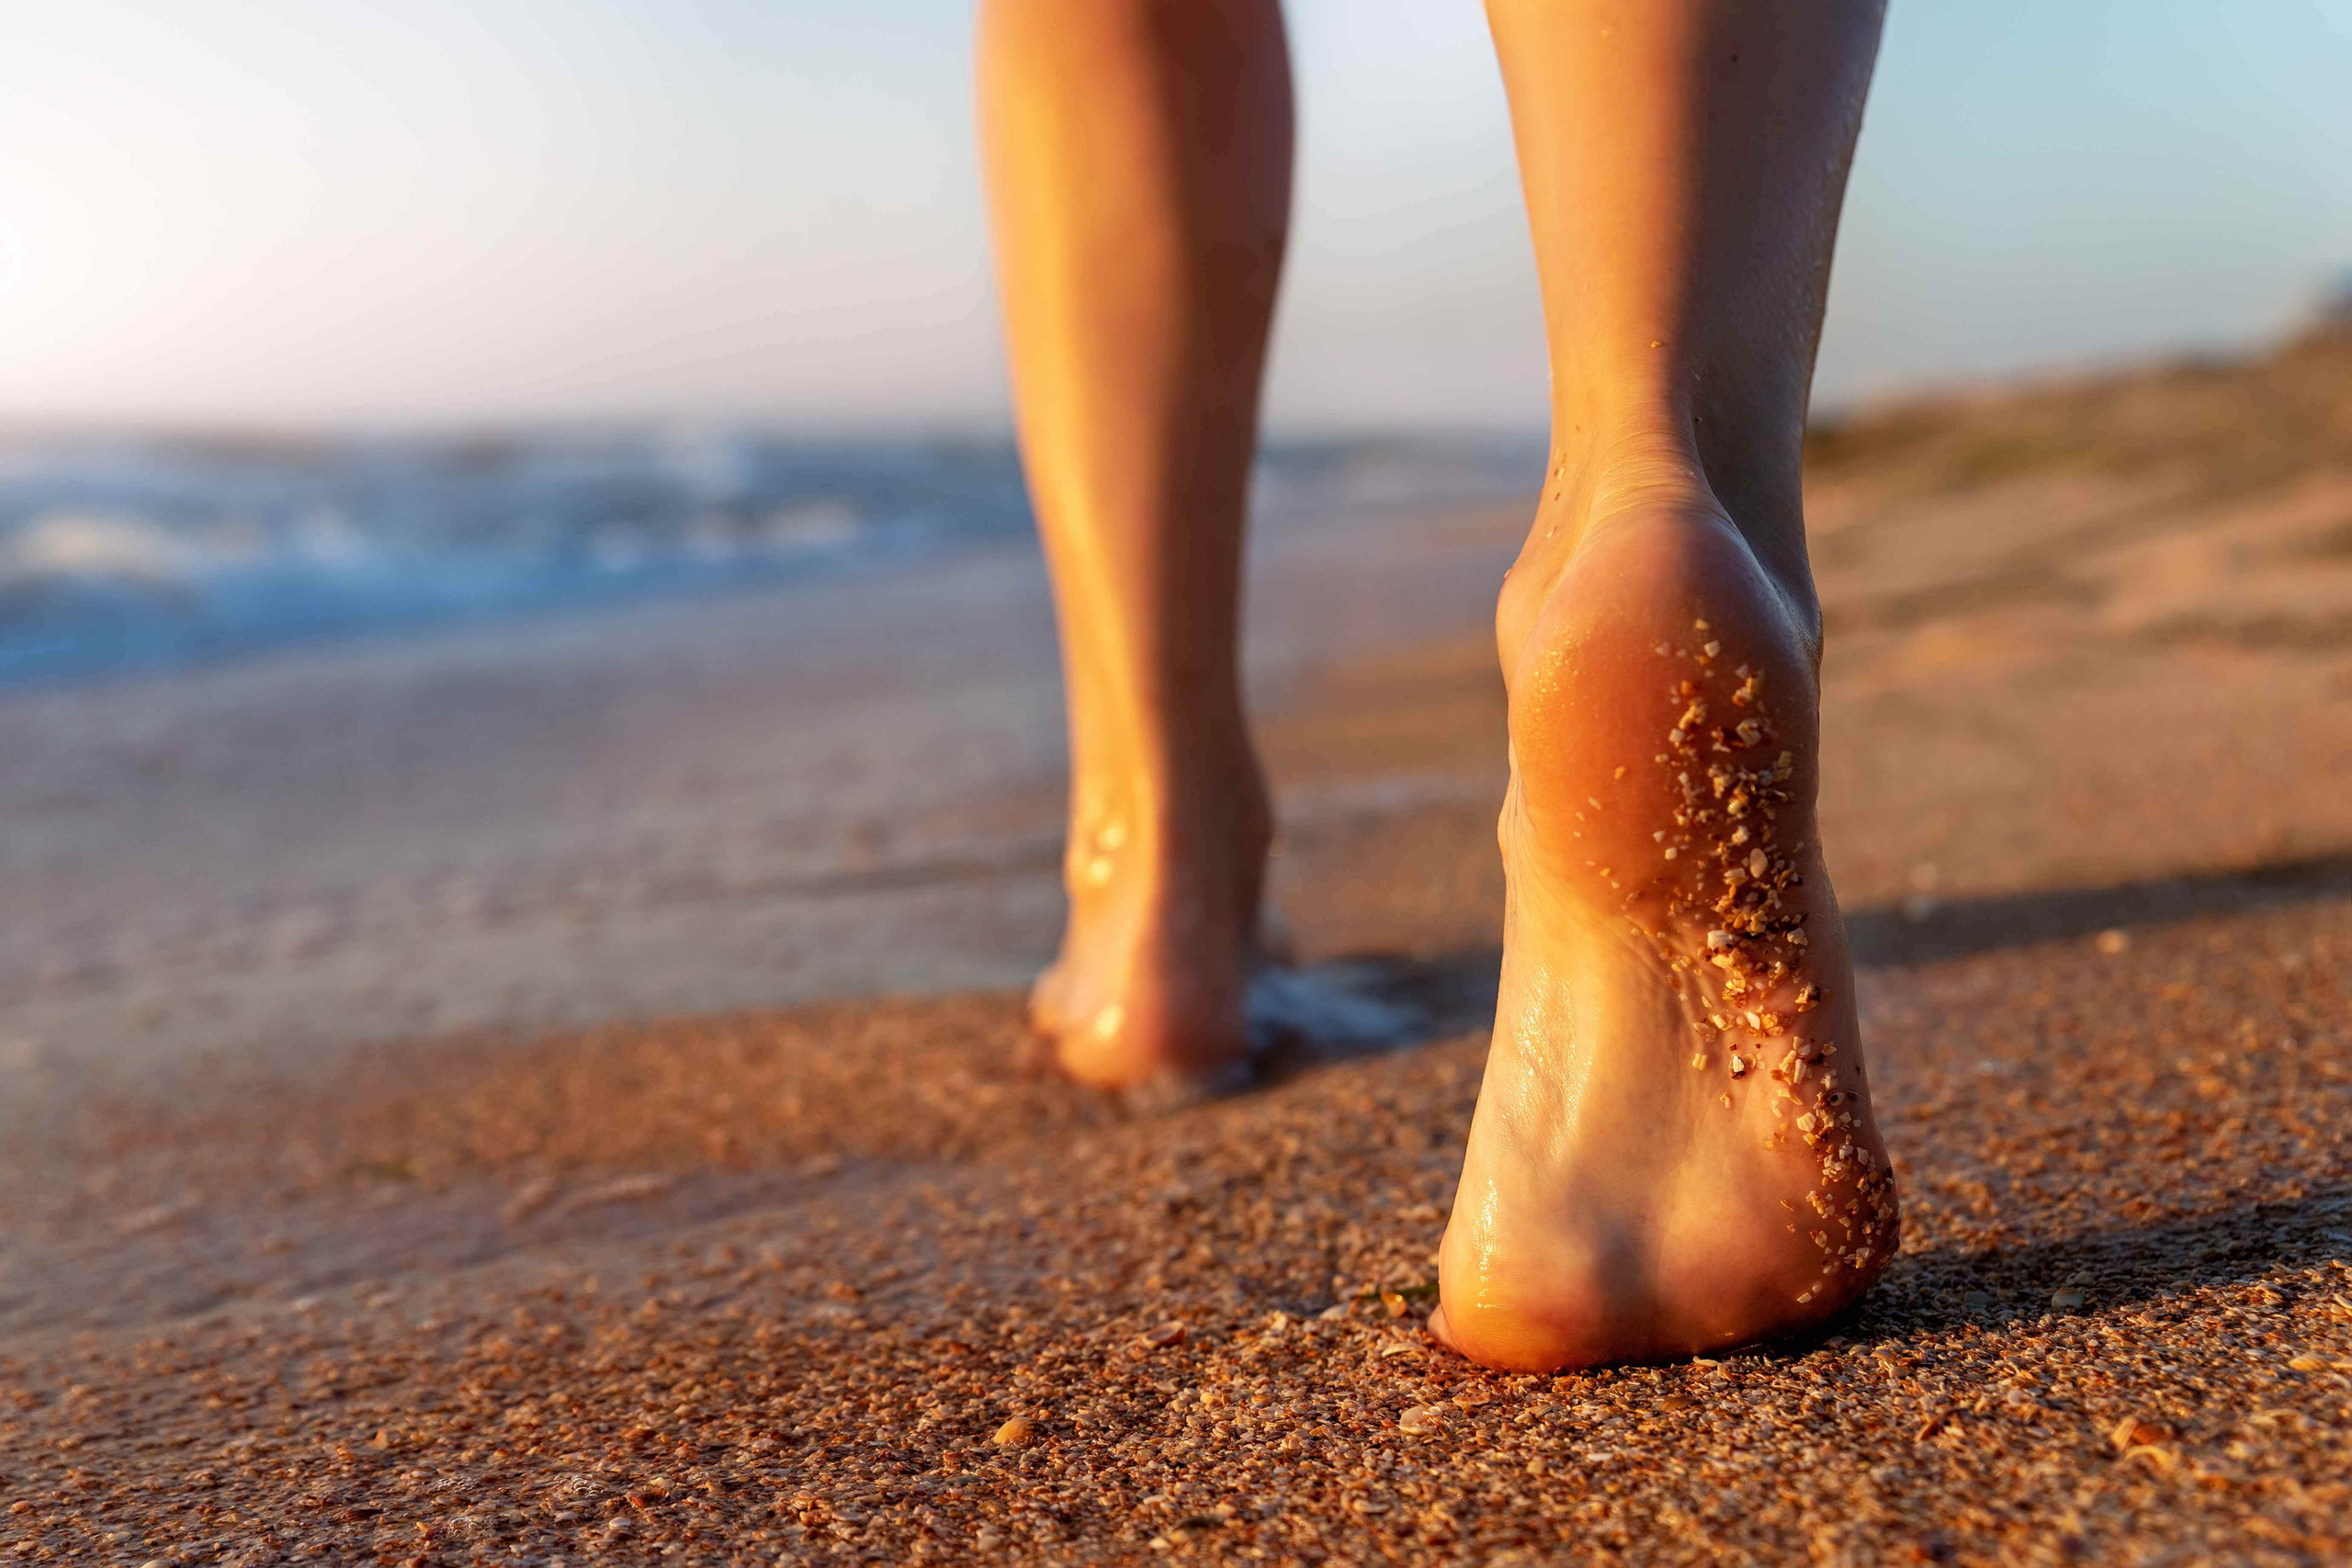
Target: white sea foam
63, 547
122, 550
1330, 1008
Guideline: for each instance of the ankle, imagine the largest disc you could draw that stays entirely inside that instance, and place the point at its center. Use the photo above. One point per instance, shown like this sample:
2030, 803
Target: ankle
1632, 460
1744, 447
1650, 460
1211, 818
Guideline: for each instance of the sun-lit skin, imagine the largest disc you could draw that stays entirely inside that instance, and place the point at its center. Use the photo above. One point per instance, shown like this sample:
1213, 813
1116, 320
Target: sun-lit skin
1673, 1149
1637, 1182
1138, 154
1683, 165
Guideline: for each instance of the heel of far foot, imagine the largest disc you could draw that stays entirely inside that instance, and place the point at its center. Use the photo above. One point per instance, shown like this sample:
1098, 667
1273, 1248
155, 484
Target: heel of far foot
1147, 995
1673, 1150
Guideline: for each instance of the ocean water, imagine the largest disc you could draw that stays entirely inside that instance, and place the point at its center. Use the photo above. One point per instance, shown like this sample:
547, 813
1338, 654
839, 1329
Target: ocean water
126, 552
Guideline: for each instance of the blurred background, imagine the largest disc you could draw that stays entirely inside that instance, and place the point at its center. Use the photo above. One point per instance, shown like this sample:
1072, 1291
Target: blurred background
507, 512
321, 316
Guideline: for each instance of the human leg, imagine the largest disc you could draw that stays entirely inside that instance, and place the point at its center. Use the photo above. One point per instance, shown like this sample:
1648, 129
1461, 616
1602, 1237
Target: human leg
1138, 154
1673, 1150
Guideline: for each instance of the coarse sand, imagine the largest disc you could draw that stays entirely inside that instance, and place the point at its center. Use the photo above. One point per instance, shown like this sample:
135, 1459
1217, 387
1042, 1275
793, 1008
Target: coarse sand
842, 1283
898, 1303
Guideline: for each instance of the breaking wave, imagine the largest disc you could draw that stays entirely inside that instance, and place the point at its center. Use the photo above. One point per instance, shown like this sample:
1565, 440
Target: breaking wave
126, 552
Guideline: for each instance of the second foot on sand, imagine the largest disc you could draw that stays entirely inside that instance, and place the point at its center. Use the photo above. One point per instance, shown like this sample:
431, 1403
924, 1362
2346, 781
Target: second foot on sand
1673, 1150
1147, 995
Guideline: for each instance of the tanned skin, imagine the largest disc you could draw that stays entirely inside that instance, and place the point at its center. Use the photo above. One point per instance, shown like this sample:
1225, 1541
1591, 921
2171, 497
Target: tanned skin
1673, 1150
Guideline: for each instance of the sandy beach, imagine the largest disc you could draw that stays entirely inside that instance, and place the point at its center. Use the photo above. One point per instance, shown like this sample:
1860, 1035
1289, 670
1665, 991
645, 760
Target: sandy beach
551, 1095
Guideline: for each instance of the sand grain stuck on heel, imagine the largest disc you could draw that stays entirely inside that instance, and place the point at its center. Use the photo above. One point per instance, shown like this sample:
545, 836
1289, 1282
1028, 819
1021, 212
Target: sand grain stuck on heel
1754, 1009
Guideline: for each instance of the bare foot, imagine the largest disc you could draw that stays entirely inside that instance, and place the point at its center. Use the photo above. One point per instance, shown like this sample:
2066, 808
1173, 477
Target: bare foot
1673, 1150
1147, 993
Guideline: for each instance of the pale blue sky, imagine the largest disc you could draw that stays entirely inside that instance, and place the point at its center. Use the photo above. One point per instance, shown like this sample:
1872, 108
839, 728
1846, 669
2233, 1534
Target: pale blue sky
297, 211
